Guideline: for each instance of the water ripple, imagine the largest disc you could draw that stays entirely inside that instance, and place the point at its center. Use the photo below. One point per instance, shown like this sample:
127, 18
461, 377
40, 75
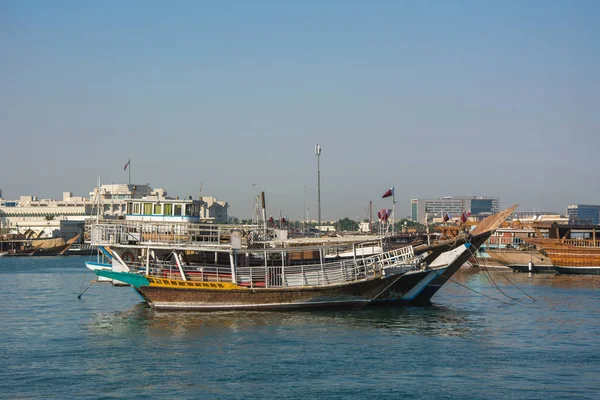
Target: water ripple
110, 345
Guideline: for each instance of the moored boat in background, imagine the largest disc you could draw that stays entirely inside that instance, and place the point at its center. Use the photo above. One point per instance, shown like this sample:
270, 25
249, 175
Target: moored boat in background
507, 250
572, 256
16, 245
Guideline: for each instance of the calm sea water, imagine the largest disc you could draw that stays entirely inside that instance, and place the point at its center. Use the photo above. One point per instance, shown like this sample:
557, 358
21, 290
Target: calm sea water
466, 346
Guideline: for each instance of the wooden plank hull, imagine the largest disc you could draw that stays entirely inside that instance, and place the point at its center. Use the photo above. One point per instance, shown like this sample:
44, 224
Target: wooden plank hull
356, 295
518, 260
388, 291
574, 257
571, 258
508, 257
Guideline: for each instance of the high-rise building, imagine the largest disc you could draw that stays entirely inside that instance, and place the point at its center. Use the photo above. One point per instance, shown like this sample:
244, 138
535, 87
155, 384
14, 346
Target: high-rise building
479, 206
584, 213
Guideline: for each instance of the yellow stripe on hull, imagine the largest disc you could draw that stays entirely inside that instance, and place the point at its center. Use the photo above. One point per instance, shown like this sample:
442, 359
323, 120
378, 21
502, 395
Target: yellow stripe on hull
177, 284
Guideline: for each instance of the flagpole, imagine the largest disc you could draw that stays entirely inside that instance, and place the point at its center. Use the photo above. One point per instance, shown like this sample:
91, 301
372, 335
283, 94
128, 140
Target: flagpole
393, 211
129, 171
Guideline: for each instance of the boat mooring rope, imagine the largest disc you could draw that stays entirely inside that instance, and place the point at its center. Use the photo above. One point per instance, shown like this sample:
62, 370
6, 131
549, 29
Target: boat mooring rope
475, 291
506, 277
84, 290
489, 276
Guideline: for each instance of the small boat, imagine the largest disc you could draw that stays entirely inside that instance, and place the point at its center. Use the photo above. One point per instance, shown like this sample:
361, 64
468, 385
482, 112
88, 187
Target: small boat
22, 247
518, 259
507, 250
195, 266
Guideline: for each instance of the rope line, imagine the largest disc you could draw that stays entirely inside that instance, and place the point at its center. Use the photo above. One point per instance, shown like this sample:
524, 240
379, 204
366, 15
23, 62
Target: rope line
489, 276
81, 294
475, 291
506, 277
466, 287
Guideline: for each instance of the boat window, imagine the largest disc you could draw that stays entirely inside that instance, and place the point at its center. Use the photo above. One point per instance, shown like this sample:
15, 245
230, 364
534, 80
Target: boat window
157, 209
128, 208
136, 208
188, 210
177, 209
147, 208
168, 209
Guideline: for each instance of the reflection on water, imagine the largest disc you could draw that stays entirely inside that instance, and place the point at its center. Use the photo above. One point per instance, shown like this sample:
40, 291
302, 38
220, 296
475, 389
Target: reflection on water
442, 321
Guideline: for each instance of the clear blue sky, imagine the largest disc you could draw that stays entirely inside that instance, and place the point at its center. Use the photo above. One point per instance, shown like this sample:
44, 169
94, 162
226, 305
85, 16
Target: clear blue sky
435, 98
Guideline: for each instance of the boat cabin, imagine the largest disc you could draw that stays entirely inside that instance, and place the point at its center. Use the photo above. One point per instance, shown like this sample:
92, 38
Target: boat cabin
167, 210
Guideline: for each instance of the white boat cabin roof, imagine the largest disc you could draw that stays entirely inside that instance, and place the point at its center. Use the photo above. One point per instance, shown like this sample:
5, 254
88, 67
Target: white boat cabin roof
184, 210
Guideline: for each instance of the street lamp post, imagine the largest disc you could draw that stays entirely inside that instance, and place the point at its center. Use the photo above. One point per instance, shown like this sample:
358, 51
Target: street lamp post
318, 154
254, 203
304, 210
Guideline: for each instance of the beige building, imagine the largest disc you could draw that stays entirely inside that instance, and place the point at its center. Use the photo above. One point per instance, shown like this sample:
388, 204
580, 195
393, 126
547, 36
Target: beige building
44, 217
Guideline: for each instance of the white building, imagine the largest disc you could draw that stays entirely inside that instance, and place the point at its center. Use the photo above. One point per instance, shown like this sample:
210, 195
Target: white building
527, 217
42, 217
479, 206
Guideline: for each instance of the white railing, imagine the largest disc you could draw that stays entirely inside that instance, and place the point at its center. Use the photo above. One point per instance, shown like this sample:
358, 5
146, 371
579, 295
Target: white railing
304, 275
582, 242
146, 233
325, 274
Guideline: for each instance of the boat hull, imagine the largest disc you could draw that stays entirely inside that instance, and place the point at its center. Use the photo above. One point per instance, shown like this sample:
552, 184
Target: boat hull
511, 258
571, 258
536, 269
166, 294
424, 297
415, 287
351, 296
577, 270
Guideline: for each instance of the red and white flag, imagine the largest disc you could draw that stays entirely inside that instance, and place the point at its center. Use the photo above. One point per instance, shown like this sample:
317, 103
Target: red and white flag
389, 193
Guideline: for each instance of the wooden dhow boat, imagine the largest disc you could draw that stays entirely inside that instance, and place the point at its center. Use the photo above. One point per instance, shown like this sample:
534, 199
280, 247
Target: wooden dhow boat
507, 249
572, 256
15, 245
572, 248
183, 266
